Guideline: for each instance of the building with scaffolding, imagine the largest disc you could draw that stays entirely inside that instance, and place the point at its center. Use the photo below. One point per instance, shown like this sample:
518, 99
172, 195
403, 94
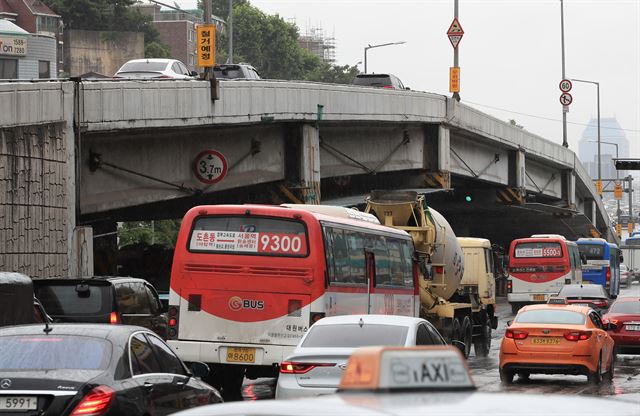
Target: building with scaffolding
315, 41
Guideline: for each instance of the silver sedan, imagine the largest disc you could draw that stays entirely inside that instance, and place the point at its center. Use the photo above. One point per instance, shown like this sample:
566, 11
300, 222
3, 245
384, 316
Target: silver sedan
316, 365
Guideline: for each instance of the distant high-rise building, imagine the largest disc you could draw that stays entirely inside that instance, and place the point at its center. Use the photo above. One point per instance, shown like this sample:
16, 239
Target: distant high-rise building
610, 131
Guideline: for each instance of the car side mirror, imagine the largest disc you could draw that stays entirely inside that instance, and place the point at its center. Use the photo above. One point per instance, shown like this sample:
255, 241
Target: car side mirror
199, 369
193, 73
407, 88
610, 326
509, 323
459, 345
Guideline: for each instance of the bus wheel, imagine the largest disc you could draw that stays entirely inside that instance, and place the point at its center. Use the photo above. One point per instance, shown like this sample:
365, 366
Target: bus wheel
482, 343
467, 335
514, 308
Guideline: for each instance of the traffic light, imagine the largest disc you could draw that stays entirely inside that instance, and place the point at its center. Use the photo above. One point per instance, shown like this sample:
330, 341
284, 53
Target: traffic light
627, 164
468, 198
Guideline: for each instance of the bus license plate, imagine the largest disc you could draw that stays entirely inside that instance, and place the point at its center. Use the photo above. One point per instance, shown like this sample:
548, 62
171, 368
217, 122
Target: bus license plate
632, 327
241, 355
545, 341
539, 298
18, 403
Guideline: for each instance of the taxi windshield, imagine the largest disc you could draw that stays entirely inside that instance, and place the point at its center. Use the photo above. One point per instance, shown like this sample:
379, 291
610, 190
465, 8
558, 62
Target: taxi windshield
354, 336
551, 316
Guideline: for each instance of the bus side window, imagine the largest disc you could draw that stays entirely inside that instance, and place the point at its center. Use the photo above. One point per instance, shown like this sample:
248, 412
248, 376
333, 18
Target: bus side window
572, 257
396, 265
328, 249
341, 257
381, 254
357, 267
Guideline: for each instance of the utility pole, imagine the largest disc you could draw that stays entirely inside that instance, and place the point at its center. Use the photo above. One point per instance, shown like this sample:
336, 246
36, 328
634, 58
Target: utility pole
565, 109
230, 18
456, 95
207, 20
630, 227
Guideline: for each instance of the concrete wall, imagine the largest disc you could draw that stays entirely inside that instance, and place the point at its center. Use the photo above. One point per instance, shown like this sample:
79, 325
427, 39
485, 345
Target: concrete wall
34, 201
101, 52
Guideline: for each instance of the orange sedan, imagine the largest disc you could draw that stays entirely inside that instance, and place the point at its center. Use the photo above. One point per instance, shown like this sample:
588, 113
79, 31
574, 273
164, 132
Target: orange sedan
557, 339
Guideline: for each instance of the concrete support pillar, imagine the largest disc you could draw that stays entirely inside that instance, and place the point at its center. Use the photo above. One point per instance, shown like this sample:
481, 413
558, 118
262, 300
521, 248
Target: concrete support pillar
444, 149
82, 252
310, 164
520, 170
570, 189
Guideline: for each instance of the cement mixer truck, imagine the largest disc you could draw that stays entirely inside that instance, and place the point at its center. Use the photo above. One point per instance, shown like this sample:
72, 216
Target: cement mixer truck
450, 298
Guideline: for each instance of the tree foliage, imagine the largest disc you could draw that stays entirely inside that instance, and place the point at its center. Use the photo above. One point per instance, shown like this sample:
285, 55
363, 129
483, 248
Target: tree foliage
109, 15
270, 44
162, 232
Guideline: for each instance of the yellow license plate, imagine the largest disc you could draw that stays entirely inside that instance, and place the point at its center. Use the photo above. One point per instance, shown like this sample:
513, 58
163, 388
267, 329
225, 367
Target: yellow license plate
545, 341
241, 355
539, 298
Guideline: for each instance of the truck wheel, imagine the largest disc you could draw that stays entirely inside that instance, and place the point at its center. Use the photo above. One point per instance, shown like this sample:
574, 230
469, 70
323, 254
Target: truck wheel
467, 335
482, 343
456, 330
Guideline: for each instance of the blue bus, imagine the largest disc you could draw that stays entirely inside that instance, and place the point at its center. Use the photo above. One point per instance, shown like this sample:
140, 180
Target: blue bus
603, 263
634, 240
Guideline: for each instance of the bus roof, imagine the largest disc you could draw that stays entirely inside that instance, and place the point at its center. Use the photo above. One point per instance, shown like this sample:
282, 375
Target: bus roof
585, 240
336, 211
289, 212
549, 236
474, 242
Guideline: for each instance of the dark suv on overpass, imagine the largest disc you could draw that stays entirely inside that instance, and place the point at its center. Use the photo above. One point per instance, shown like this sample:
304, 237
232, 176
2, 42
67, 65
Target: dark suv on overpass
102, 299
379, 80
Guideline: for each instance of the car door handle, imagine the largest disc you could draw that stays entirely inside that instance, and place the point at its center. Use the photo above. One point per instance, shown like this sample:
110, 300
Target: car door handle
148, 386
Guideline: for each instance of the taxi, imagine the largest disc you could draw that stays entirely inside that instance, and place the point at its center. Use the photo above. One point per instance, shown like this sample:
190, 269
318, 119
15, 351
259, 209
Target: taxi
557, 338
404, 381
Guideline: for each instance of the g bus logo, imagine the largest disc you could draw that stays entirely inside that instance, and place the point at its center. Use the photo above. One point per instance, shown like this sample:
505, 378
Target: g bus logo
236, 303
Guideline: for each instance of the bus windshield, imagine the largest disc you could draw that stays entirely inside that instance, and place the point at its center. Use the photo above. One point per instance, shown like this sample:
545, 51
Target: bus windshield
250, 235
538, 250
592, 251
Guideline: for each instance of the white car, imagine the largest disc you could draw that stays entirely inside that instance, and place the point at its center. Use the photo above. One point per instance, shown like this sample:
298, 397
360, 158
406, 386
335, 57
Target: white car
155, 69
316, 365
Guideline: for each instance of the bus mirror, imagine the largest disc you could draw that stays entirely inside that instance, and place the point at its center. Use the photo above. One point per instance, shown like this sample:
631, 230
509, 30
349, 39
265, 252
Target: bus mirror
426, 271
583, 258
621, 259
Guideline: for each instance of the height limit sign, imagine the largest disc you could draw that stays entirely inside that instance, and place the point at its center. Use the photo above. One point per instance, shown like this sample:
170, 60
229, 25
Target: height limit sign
210, 166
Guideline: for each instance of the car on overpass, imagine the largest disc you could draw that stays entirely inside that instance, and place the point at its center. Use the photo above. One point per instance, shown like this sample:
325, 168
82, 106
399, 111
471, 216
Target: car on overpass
235, 71
403, 381
389, 81
155, 69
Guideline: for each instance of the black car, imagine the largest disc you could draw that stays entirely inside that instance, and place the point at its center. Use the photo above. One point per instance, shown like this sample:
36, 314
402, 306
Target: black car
594, 296
114, 300
95, 369
379, 80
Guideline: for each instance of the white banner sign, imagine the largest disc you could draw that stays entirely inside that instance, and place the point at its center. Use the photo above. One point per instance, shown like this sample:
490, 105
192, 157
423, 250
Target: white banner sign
14, 46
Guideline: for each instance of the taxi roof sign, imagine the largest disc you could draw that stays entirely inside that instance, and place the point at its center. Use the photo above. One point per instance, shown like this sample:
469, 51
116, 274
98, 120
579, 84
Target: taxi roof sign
399, 368
557, 301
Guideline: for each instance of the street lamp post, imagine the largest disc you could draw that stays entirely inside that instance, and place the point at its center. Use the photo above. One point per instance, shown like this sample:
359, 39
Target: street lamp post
366, 48
598, 95
617, 174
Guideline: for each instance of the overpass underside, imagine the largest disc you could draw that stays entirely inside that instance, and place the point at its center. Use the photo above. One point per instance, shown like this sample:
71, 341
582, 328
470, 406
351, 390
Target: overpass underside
149, 174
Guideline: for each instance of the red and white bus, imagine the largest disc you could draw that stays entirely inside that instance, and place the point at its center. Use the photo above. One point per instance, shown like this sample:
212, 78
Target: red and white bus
538, 268
248, 280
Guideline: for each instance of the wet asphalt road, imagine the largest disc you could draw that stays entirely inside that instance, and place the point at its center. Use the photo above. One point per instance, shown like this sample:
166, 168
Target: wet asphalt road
625, 385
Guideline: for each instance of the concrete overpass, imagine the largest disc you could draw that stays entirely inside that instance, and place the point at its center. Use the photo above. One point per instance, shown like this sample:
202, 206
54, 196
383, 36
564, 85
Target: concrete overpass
134, 144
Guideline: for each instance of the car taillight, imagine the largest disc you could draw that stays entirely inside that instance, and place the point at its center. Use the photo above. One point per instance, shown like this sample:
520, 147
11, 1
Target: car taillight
114, 318
577, 335
600, 303
515, 334
509, 286
95, 403
315, 317
608, 274
389, 87
289, 367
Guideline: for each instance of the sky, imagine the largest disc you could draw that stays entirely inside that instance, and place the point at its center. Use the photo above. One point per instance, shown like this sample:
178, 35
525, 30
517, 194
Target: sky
510, 54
